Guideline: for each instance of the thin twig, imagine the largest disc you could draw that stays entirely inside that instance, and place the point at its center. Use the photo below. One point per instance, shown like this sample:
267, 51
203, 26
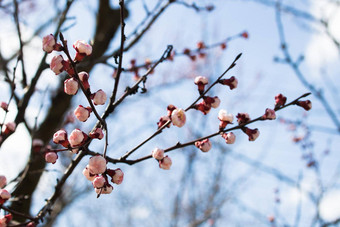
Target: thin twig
181, 145
288, 59
127, 154
21, 51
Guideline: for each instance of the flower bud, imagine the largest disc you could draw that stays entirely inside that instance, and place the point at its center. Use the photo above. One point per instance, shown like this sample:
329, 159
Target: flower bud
4, 106
229, 137
97, 164
84, 78
31, 224
204, 145
68, 67
223, 46
200, 45
4, 196
118, 176
158, 153
252, 133
201, 81
60, 137
76, 138
83, 49
57, 65
107, 189
71, 86
97, 134
280, 100
242, 118
203, 107
245, 35
99, 98
87, 174
51, 157
162, 121
8, 218
8, 128
269, 114
3, 181
165, 163
48, 43
225, 118
178, 117
216, 102
232, 82
170, 108
82, 113
307, 105
213, 102
98, 181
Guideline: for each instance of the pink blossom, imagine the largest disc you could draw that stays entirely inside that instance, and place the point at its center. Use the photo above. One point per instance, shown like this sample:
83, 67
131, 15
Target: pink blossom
213, 102
229, 137
76, 137
87, 174
201, 81
107, 189
3, 181
307, 105
269, 114
162, 121
48, 43
51, 157
170, 108
97, 133
31, 224
165, 163
232, 82
118, 176
158, 153
3, 221
242, 118
84, 78
82, 113
4, 106
280, 100
97, 164
83, 49
204, 145
99, 98
4, 194
57, 64
252, 133
71, 86
98, 181
178, 117
216, 102
223, 115
60, 137
8, 128
225, 118
203, 107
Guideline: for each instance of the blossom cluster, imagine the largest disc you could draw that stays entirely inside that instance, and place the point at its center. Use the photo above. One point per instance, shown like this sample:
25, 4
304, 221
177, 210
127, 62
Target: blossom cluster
96, 171
178, 118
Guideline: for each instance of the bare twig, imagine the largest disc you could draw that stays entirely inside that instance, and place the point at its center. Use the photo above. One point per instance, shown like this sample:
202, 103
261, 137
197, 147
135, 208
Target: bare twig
288, 60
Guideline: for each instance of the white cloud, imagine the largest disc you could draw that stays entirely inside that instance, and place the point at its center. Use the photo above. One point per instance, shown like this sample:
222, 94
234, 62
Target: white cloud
330, 206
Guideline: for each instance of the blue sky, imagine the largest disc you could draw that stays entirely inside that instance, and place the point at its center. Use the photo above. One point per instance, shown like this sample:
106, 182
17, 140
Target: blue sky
260, 79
